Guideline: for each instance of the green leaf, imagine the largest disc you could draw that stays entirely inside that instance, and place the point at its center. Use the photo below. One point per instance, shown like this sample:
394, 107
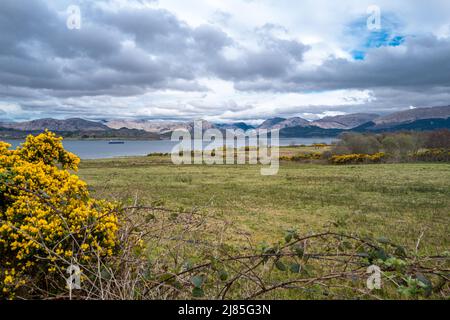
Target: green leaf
383, 240
379, 253
198, 292
400, 252
280, 265
223, 275
269, 251
295, 268
288, 237
298, 249
307, 270
425, 283
197, 281
188, 264
178, 285
290, 234
363, 254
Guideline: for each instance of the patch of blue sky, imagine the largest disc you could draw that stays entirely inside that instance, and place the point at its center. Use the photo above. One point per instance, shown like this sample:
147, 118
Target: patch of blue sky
367, 39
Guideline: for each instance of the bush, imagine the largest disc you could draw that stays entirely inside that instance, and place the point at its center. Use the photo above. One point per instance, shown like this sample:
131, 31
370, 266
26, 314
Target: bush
396, 147
358, 158
47, 218
401, 146
302, 157
433, 155
319, 145
158, 154
356, 143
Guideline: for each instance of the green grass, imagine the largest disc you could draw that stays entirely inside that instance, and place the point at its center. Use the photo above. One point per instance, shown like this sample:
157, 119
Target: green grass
398, 201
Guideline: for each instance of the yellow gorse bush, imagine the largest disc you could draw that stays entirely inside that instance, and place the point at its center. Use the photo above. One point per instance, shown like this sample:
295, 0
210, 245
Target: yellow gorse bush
434, 154
302, 156
358, 158
320, 145
47, 218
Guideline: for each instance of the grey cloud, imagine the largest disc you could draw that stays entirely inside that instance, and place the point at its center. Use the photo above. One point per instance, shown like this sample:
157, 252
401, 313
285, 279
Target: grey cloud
41, 53
273, 61
157, 30
210, 39
255, 65
422, 62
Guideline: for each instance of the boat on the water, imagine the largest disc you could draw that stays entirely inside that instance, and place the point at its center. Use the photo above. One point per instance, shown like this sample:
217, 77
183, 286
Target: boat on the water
116, 142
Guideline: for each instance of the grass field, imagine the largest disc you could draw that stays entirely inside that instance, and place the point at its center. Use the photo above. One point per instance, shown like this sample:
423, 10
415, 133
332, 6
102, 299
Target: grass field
397, 201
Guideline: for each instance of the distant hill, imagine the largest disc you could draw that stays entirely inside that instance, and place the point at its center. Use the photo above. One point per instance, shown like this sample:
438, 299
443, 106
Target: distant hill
71, 128
309, 132
132, 134
69, 125
291, 122
234, 126
163, 127
269, 123
412, 115
159, 127
414, 119
419, 125
347, 121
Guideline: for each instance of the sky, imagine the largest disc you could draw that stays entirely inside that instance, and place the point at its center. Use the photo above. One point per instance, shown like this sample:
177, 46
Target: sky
222, 61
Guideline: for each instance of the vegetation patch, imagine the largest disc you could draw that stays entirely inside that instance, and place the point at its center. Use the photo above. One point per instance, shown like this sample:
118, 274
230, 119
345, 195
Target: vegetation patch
48, 220
358, 158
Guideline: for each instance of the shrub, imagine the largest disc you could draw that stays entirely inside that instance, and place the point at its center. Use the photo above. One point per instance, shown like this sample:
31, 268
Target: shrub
356, 143
47, 218
319, 145
438, 155
400, 146
303, 156
397, 147
157, 154
358, 158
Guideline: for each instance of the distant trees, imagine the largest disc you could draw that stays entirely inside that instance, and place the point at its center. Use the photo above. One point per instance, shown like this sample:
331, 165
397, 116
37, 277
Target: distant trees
356, 143
398, 146
438, 139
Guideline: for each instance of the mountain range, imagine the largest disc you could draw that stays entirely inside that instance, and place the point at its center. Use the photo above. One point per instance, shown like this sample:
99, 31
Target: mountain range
412, 119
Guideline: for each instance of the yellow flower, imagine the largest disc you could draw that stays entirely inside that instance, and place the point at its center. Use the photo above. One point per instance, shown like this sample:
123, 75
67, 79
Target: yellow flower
46, 206
8, 280
68, 253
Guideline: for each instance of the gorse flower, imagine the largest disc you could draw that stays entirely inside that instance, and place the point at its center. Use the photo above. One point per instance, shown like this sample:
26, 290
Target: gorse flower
47, 218
358, 158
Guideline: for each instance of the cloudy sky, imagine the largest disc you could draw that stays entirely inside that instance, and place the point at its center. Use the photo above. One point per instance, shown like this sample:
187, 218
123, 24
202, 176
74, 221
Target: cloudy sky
221, 60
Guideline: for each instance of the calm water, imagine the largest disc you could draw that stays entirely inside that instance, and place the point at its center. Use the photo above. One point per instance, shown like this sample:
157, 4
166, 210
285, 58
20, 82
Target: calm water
97, 149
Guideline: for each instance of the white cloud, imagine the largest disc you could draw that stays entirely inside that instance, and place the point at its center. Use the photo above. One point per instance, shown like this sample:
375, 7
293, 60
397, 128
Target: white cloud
10, 109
